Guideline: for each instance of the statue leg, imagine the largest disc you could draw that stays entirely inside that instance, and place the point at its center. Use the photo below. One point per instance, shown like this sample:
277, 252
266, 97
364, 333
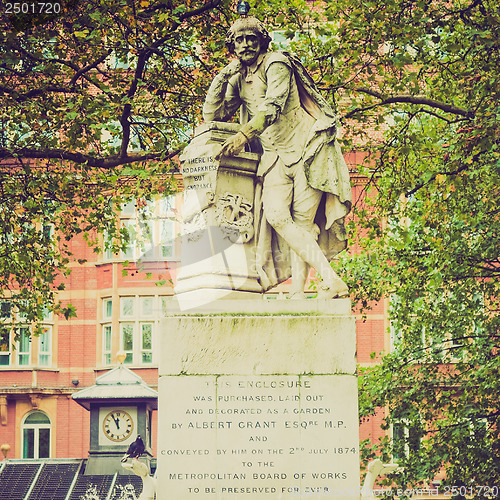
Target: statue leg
303, 213
300, 272
290, 205
306, 247
306, 201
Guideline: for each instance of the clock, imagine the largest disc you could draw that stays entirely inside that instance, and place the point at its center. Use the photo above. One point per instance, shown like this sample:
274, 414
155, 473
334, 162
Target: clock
118, 425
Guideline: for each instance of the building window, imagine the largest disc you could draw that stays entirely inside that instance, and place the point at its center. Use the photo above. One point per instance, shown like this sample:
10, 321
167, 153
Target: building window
36, 435
137, 322
5, 346
107, 330
167, 238
107, 343
136, 328
23, 346
5, 310
434, 342
5, 343
151, 227
406, 439
280, 40
18, 346
44, 347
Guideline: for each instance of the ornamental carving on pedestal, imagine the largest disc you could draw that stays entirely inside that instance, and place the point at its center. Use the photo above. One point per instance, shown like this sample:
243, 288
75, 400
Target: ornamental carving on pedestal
194, 228
233, 214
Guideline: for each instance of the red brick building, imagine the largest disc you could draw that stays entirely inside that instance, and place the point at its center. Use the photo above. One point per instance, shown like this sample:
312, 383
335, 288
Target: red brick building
115, 312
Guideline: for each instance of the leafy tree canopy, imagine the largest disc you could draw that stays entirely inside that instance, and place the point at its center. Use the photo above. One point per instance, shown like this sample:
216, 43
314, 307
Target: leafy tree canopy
94, 104
417, 88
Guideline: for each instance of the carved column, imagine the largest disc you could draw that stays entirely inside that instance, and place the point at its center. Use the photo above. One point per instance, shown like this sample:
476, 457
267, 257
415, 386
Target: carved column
3, 409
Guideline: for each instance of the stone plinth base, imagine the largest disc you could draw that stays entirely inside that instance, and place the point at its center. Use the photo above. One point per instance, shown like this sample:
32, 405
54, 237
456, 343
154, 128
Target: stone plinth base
259, 402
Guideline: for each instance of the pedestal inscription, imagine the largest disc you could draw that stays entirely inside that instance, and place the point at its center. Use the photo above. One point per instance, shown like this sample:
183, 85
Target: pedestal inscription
278, 436
261, 402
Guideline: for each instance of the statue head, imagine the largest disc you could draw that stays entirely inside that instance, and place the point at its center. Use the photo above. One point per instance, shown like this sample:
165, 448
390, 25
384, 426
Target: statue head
248, 24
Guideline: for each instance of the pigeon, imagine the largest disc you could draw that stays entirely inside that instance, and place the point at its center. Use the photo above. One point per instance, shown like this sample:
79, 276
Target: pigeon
135, 450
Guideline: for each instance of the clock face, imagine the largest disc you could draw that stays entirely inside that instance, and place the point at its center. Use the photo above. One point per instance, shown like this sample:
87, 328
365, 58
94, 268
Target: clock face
117, 425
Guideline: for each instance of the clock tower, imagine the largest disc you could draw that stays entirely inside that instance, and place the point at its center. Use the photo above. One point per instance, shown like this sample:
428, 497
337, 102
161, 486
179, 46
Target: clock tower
121, 407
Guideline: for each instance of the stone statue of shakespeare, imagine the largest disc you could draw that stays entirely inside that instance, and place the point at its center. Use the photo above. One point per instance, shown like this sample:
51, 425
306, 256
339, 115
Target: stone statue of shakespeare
304, 193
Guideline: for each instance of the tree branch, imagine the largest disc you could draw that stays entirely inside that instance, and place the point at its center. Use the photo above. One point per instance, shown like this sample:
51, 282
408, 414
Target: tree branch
127, 109
433, 178
80, 158
212, 4
70, 64
408, 99
144, 55
89, 67
19, 98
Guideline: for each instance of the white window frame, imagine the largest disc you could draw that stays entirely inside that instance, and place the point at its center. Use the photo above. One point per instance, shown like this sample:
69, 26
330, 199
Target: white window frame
152, 228
474, 426
21, 355
23, 352
428, 344
36, 434
113, 63
107, 331
6, 346
45, 346
404, 423
406, 433
137, 316
135, 320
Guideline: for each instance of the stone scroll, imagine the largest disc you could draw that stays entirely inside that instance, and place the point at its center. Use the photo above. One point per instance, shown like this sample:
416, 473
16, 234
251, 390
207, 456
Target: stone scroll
218, 227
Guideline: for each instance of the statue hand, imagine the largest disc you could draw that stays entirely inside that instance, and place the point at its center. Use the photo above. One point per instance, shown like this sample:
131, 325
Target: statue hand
232, 146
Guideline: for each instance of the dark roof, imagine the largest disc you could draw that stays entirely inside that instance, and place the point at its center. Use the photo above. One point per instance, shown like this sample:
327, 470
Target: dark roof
54, 479
16, 479
91, 486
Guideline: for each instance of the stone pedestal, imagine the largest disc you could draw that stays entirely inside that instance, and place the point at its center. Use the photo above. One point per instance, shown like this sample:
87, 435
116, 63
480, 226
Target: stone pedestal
218, 243
258, 399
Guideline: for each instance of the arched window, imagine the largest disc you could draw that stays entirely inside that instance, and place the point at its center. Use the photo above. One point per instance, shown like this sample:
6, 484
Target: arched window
36, 435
